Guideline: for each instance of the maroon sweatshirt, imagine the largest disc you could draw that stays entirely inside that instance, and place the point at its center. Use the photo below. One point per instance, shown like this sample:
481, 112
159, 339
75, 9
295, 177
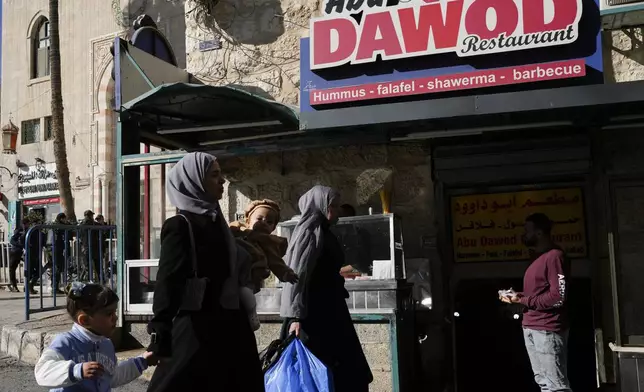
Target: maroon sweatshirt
545, 292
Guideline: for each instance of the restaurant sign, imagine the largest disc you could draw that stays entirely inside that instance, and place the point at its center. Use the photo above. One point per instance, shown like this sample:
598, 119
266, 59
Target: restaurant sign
38, 181
447, 38
424, 27
490, 227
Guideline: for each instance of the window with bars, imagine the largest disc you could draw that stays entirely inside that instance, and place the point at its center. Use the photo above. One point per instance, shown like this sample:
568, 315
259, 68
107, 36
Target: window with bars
49, 130
41, 42
30, 131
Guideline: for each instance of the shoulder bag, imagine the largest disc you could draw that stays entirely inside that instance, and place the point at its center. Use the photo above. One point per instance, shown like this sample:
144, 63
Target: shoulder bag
195, 286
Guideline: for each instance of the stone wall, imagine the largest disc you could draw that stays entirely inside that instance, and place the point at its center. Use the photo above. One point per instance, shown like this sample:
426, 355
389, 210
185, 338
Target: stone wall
623, 52
374, 338
285, 177
260, 44
375, 343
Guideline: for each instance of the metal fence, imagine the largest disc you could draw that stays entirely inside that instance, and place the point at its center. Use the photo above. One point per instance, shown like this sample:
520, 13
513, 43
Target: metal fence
57, 254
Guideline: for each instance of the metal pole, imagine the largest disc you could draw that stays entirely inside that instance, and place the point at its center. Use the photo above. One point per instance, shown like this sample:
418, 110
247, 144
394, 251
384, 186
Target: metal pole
146, 215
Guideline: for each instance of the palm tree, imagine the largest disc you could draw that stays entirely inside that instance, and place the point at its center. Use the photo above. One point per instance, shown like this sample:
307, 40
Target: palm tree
57, 124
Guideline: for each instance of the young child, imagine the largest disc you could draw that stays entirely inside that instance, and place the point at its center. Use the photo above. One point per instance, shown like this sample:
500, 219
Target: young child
266, 250
84, 358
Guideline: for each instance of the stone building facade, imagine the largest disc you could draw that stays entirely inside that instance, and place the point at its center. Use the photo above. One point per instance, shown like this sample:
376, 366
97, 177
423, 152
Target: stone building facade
86, 33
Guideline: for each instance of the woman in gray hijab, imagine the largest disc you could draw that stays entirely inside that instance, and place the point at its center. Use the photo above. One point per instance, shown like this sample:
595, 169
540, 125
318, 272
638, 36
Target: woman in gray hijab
198, 331
315, 308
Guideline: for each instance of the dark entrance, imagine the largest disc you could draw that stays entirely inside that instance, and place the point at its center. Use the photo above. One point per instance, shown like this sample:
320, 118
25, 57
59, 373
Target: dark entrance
490, 352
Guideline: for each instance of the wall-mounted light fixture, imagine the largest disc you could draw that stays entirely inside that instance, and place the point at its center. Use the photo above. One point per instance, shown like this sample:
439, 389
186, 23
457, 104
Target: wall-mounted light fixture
9, 138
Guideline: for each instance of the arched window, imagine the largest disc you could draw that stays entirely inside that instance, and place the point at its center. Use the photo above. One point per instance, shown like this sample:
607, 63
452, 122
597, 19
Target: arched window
40, 44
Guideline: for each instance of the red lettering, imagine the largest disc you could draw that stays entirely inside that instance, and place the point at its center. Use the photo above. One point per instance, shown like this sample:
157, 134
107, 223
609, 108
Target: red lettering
322, 51
416, 30
378, 35
534, 15
507, 18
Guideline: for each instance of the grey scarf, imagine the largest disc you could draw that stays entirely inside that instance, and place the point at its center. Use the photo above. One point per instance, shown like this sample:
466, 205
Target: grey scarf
185, 188
304, 248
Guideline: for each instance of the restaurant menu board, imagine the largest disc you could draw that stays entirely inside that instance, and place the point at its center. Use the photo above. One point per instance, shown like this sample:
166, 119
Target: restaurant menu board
490, 227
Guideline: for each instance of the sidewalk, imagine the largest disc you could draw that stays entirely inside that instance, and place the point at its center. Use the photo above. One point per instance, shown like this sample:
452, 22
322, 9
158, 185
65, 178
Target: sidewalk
25, 340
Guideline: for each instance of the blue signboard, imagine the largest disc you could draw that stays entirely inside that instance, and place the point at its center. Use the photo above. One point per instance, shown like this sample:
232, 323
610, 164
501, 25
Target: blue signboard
378, 51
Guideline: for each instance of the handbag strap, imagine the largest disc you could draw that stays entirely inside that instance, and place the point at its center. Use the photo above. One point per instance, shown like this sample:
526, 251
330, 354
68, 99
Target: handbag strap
192, 244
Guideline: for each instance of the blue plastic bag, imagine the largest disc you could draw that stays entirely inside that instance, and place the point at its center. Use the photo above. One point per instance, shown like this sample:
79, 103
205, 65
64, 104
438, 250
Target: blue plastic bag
298, 370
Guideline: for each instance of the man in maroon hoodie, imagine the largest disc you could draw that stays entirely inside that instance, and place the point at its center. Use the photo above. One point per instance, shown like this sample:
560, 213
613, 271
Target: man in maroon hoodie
545, 318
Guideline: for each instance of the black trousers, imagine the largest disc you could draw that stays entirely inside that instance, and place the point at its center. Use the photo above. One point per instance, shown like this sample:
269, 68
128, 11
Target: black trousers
59, 263
34, 271
14, 262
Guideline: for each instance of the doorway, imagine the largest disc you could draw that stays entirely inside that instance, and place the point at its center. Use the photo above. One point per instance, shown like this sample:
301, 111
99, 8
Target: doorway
489, 347
42, 211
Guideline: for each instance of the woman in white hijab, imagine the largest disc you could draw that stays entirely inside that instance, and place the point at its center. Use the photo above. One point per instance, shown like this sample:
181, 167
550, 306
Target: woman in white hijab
315, 307
198, 331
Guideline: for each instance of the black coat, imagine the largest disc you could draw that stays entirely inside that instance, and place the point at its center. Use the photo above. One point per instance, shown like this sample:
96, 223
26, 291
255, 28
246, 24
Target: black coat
213, 349
328, 325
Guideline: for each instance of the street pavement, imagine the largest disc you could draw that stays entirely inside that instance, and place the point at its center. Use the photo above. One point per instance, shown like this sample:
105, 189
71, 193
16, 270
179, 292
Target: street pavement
16, 376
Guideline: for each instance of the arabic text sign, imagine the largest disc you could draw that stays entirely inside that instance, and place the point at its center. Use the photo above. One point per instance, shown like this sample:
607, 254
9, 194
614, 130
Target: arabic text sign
38, 181
490, 227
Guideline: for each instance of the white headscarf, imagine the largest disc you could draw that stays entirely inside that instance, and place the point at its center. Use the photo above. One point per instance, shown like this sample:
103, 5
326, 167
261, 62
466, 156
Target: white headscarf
185, 188
304, 247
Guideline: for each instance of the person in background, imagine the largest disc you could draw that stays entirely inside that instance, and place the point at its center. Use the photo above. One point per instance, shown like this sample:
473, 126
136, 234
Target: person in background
33, 259
89, 245
105, 250
356, 243
61, 247
266, 250
84, 359
315, 307
545, 319
16, 251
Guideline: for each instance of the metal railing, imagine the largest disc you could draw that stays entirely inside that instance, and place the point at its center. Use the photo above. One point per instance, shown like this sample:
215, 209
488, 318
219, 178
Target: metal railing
85, 253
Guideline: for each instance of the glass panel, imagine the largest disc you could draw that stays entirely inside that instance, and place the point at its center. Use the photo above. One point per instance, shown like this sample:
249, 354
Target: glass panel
141, 284
361, 301
30, 131
43, 32
42, 62
367, 246
159, 207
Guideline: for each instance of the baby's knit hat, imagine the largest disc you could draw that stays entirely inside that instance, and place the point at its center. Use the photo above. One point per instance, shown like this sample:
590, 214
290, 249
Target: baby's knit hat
266, 203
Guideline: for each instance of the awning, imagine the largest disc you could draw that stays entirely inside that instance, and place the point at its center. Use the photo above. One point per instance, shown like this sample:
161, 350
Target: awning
192, 115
